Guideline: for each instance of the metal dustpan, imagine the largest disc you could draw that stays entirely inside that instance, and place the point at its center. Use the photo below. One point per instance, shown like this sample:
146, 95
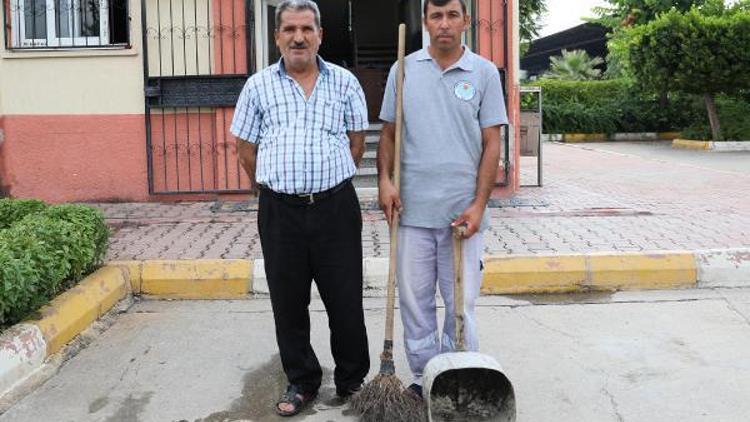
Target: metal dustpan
466, 386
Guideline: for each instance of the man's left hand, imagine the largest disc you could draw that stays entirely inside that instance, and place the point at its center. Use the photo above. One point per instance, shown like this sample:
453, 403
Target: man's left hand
471, 218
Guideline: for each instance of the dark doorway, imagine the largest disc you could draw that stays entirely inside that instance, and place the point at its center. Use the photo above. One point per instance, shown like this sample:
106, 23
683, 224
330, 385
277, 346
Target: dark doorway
362, 36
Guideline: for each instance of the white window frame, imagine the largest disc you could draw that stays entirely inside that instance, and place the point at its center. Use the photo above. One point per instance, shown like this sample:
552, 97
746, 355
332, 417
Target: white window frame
53, 40
261, 31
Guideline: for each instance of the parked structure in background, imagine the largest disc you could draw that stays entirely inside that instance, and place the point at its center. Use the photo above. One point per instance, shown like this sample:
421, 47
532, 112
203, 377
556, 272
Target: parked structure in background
131, 100
589, 37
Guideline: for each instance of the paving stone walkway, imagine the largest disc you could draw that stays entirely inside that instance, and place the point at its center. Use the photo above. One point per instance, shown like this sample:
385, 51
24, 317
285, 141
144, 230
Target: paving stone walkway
595, 198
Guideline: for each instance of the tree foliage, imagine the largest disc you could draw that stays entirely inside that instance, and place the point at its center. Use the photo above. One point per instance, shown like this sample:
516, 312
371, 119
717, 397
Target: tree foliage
695, 52
626, 13
529, 13
622, 14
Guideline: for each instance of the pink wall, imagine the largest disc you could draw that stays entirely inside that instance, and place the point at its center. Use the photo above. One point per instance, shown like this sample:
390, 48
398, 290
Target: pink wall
61, 158
493, 31
3, 177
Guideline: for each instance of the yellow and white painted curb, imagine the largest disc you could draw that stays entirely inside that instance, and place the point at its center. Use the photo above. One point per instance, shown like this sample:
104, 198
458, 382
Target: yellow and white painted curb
22, 352
724, 146
725, 268
589, 272
577, 138
25, 346
691, 144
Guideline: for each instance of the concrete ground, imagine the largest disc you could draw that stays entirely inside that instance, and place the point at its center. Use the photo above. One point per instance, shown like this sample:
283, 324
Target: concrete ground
663, 151
630, 196
630, 356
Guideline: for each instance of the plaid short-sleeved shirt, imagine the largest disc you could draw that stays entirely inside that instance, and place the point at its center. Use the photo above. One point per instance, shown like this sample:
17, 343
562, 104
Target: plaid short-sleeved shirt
302, 143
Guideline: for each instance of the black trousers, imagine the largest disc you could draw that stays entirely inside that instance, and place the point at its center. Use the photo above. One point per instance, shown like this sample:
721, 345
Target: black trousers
322, 242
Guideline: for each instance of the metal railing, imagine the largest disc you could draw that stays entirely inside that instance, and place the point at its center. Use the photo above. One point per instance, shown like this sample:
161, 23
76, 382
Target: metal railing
531, 132
197, 57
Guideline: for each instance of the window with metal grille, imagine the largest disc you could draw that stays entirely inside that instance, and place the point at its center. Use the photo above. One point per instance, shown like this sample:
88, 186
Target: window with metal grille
35, 24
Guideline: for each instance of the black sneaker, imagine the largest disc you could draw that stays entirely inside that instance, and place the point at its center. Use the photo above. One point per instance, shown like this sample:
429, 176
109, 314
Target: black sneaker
348, 391
415, 389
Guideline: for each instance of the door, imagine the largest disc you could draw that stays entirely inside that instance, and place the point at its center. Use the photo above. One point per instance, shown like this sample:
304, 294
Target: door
198, 55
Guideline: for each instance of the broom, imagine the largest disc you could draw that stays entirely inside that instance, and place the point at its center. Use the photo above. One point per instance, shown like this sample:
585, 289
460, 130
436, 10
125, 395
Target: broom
384, 398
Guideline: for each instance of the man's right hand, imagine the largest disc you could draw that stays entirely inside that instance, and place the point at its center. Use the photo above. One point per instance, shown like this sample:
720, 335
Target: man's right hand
390, 200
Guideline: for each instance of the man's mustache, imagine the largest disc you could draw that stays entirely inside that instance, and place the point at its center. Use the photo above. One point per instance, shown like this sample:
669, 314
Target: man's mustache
300, 46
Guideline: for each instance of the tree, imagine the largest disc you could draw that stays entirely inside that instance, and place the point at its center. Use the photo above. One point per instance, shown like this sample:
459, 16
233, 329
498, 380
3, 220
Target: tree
574, 65
695, 53
627, 13
623, 14
529, 13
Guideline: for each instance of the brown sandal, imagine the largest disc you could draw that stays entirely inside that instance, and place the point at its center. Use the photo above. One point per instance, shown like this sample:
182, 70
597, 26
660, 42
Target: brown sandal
297, 398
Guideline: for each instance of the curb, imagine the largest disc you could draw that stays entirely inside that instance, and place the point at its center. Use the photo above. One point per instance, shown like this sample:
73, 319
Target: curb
726, 268
22, 352
609, 271
577, 138
589, 272
726, 146
690, 144
25, 346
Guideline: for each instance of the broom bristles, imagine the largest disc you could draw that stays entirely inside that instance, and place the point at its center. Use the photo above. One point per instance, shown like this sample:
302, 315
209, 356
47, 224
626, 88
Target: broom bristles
384, 399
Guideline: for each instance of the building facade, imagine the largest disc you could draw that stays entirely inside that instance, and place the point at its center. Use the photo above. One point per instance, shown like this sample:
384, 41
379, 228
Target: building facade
131, 100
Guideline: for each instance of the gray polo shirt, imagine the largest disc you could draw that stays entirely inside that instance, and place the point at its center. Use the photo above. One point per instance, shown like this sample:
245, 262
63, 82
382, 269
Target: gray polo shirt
444, 112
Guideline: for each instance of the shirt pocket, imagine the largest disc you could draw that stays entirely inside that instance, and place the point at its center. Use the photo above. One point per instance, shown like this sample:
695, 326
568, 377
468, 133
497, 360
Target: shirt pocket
332, 116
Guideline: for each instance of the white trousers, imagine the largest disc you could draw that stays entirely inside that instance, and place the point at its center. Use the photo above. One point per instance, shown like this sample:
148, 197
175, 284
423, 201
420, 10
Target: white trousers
425, 262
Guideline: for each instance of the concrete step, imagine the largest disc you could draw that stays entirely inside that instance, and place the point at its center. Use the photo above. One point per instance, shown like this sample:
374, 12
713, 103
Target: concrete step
369, 159
372, 139
366, 177
375, 127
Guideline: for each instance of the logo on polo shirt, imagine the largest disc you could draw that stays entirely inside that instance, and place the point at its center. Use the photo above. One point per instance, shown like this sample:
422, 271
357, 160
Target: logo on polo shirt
464, 90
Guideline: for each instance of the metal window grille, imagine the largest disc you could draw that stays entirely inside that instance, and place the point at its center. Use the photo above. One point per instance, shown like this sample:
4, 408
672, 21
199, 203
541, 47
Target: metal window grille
64, 24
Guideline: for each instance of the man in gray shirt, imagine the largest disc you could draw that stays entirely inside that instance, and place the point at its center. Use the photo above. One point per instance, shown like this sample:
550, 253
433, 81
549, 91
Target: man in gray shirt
453, 110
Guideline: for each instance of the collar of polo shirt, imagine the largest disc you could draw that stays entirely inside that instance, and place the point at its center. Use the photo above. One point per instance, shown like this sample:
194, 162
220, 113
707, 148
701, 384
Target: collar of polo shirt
464, 63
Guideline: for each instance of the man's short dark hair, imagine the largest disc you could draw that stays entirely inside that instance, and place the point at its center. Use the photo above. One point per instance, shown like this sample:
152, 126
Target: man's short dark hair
441, 3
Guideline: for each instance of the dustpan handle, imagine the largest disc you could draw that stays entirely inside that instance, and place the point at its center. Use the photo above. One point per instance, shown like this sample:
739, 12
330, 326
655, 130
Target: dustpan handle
458, 285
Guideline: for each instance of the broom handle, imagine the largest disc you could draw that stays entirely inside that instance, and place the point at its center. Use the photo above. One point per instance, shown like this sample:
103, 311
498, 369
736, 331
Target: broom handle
458, 286
386, 365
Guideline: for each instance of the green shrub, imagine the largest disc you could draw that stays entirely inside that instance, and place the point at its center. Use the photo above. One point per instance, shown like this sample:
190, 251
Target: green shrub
579, 106
27, 274
610, 106
45, 253
91, 222
734, 114
12, 210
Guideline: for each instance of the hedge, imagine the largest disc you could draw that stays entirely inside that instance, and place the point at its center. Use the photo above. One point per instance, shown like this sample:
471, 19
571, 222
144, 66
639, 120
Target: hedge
44, 252
12, 210
609, 106
734, 115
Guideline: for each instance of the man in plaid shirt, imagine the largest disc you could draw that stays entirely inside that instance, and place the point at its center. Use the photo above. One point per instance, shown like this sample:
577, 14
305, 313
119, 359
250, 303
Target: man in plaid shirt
300, 130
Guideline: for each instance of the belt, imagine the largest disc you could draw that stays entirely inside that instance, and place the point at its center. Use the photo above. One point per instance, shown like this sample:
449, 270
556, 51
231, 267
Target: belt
305, 198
